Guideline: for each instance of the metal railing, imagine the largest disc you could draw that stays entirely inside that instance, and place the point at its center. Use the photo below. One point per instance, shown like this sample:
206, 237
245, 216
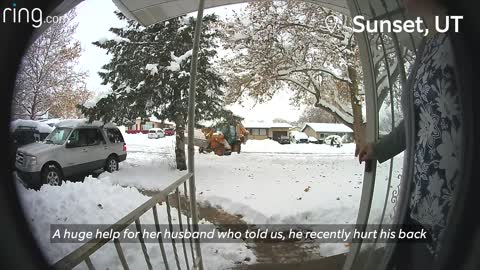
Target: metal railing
83, 254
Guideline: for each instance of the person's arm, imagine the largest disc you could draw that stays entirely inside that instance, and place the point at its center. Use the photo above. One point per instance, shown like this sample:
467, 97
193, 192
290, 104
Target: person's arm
391, 144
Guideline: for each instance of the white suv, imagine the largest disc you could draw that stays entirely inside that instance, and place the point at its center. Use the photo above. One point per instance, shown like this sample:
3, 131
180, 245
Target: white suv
75, 148
155, 133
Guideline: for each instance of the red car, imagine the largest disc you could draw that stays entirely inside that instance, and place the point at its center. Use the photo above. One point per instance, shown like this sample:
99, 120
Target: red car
169, 131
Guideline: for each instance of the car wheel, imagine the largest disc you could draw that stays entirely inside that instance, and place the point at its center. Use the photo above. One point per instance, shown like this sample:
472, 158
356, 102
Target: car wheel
112, 164
52, 175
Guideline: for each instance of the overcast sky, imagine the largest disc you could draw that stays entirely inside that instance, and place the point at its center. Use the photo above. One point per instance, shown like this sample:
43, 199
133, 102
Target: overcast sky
96, 17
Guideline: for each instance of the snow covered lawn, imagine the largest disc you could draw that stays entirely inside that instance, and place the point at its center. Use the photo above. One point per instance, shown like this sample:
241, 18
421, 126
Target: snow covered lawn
312, 183
255, 146
266, 183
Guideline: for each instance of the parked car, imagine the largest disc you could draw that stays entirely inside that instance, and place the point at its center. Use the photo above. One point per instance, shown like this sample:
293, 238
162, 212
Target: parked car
299, 137
283, 140
313, 140
169, 131
75, 148
27, 131
333, 140
155, 133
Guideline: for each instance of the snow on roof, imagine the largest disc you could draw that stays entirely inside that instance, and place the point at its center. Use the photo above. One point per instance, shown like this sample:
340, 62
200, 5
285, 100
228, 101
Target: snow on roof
256, 125
51, 121
266, 125
152, 119
40, 126
328, 127
72, 123
281, 125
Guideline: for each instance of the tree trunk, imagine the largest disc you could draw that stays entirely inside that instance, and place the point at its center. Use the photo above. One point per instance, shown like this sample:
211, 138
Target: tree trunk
358, 126
34, 107
179, 120
180, 157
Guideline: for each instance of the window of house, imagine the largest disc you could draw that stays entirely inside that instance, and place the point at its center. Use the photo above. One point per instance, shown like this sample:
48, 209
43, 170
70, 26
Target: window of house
259, 131
147, 126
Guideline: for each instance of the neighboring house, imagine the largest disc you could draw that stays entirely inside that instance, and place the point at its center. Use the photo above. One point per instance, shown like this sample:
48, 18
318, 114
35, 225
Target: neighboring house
322, 130
266, 130
292, 130
143, 125
295, 128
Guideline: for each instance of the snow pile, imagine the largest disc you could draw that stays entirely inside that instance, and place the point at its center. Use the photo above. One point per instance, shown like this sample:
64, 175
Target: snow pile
145, 174
99, 202
91, 202
40, 126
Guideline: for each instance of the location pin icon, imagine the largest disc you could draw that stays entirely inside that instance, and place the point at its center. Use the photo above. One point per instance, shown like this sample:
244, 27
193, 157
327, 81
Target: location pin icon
331, 23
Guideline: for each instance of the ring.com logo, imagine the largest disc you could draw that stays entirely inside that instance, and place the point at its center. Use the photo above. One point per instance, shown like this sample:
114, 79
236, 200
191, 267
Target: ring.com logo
33, 16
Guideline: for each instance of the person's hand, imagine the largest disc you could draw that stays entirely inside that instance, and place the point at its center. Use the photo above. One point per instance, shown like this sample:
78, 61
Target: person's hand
364, 152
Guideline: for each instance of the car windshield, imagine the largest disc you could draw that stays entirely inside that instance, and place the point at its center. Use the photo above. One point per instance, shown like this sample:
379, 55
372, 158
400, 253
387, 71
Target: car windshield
152, 131
58, 136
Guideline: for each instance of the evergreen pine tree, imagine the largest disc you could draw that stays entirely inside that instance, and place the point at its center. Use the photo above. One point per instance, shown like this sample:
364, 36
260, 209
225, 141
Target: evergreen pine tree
149, 75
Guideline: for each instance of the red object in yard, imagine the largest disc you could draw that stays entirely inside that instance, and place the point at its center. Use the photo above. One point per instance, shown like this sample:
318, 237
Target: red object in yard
169, 132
